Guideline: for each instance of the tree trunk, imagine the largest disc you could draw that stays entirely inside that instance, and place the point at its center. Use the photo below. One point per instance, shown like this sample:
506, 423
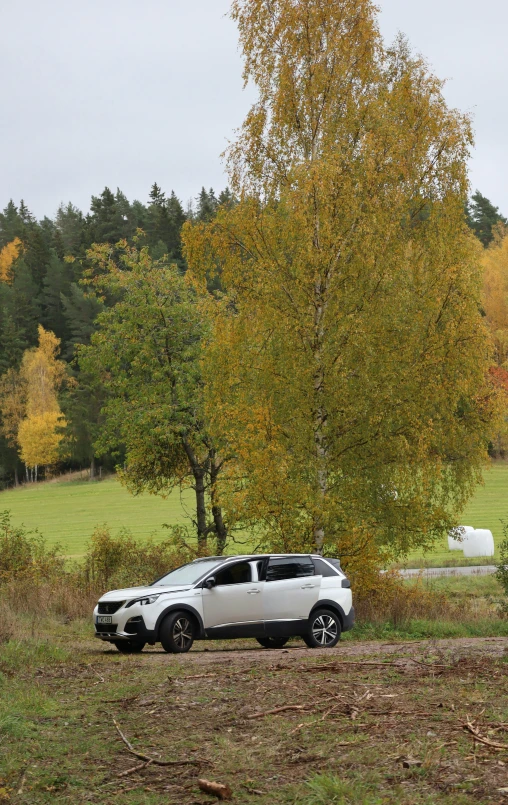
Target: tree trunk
220, 527
92, 468
198, 472
320, 413
199, 486
16, 478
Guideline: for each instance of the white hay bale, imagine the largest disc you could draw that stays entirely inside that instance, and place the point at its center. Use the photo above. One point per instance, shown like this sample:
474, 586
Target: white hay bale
479, 543
462, 531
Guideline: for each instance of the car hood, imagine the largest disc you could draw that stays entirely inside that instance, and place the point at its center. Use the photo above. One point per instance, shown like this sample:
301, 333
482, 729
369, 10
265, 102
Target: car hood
139, 592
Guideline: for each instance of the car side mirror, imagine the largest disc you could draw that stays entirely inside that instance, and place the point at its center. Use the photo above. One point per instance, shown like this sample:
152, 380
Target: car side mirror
210, 582
346, 583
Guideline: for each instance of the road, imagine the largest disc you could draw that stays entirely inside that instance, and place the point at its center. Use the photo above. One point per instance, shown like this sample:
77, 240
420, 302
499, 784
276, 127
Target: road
434, 572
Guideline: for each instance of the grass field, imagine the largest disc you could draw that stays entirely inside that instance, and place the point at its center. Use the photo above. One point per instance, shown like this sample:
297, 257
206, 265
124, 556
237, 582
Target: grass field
68, 511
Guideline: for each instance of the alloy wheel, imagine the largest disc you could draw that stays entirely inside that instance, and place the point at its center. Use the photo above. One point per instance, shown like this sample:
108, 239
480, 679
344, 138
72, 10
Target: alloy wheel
324, 630
182, 633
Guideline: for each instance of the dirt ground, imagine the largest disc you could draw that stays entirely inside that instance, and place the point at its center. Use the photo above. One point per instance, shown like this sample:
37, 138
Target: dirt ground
368, 723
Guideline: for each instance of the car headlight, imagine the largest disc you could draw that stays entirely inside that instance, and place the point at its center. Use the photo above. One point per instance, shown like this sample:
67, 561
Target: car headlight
149, 599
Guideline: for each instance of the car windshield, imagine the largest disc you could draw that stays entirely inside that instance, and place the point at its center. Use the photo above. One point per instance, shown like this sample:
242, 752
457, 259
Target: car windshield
188, 574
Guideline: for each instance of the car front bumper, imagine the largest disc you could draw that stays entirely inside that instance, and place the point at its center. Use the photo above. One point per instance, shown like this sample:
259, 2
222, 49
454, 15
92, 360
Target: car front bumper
133, 628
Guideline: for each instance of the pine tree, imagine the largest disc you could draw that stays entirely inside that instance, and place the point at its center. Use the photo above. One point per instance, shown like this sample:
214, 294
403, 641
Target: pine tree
482, 217
11, 225
26, 302
69, 224
157, 196
56, 284
12, 342
80, 311
207, 205
106, 219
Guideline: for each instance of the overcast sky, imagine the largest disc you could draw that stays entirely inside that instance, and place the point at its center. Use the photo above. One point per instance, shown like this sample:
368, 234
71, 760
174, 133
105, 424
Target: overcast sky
127, 92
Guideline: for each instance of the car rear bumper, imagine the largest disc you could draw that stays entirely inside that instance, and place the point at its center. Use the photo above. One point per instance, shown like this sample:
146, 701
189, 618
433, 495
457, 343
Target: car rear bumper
348, 620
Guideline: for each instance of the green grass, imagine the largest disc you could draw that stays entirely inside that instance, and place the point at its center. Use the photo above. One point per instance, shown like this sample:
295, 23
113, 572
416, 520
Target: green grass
68, 511
486, 509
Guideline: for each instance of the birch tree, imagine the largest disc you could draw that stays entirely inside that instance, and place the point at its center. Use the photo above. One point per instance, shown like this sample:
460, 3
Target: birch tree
347, 361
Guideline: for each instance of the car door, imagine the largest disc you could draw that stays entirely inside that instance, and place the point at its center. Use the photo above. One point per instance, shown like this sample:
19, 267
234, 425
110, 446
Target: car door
235, 604
291, 589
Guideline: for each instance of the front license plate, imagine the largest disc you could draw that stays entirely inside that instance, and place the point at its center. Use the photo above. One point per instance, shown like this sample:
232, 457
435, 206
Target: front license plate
104, 619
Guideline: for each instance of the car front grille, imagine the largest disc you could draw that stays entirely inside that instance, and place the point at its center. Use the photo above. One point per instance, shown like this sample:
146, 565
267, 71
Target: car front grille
109, 607
105, 628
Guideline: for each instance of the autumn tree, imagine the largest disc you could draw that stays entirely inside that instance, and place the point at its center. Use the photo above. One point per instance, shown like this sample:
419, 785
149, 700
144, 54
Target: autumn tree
495, 293
146, 354
347, 360
8, 255
41, 375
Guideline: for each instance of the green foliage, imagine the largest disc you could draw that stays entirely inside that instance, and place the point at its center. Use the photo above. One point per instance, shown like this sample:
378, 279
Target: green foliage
146, 354
482, 217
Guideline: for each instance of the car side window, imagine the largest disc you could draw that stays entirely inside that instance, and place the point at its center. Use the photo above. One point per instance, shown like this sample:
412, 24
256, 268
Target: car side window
294, 567
236, 574
324, 569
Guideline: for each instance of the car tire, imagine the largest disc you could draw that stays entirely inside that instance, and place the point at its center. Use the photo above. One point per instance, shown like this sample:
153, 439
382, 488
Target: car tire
177, 632
272, 642
129, 646
324, 629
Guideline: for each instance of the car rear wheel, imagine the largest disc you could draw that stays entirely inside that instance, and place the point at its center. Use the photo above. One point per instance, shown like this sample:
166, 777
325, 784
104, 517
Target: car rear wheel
129, 646
177, 632
272, 642
324, 629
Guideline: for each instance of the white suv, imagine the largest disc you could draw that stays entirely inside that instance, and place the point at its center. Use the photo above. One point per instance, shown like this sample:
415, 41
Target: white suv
270, 597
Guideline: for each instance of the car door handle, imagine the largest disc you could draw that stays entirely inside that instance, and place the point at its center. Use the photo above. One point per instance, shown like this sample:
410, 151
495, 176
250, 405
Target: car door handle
307, 586
253, 592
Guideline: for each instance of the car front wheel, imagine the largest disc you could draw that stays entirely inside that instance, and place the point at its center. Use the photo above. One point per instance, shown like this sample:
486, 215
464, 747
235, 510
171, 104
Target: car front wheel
324, 629
272, 642
129, 646
177, 633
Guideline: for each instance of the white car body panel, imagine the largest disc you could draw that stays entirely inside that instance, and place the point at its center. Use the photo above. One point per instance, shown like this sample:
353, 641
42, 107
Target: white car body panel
233, 603
290, 599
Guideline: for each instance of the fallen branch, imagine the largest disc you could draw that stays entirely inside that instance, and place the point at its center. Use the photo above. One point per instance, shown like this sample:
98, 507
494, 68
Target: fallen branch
494, 744
149, 760
428, 664
344, 665
215, 789
134, 769
279, 710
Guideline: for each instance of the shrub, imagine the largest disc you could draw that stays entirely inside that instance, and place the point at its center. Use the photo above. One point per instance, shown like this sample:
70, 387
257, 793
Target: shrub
391, 599
502, 568
24, 553
124, 561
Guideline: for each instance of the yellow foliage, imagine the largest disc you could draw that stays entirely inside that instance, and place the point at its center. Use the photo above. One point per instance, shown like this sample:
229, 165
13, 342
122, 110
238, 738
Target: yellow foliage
39, 438
8, 255
495, 263
31, 416
347, 363
43, 374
